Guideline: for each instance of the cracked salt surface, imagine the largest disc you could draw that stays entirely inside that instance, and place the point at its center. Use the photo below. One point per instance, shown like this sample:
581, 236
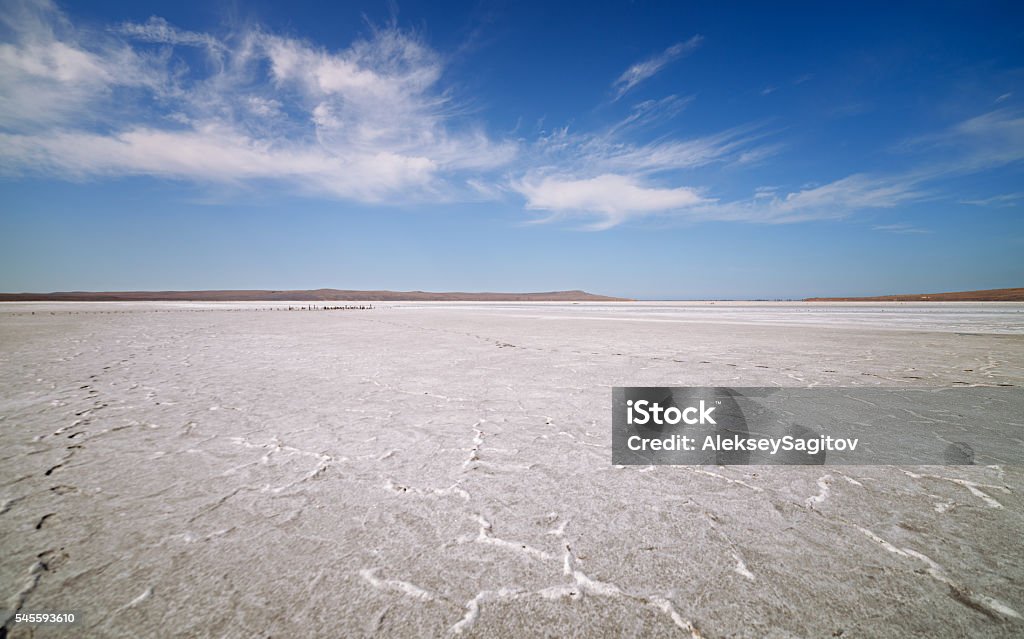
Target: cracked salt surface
444, 469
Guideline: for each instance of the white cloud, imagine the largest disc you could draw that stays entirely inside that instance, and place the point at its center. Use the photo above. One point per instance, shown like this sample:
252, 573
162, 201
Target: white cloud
158, 30
608, 178
264, 107
990, 140
758, 154
849, 193
643, 70
47, 76
901, 229
651, 113
375, 122
616, 199
1004, 200
612, 197
986, 141
220, 155
833, 200
609, 151
370, 122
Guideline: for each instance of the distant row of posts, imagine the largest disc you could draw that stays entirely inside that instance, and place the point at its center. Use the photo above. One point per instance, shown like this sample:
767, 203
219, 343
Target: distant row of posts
347, 307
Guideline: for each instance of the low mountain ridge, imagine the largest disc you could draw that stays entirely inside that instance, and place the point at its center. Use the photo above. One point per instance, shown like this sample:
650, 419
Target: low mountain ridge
990, 295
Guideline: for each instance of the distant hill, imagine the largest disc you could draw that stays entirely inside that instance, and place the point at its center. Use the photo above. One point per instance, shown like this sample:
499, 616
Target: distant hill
992, 295
318, 295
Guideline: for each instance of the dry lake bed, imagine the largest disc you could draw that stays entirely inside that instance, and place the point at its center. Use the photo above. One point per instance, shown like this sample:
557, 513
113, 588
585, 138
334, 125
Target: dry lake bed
227, 470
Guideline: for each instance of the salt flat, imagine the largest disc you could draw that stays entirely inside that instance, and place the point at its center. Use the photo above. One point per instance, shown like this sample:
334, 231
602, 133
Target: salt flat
176, 469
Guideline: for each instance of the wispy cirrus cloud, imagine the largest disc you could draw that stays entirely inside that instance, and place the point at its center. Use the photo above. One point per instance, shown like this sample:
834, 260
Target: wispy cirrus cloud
221, 155
158, 30
608, 181
979, 143
985, 142
371, 122
649, 113
607, 178
612, 199
376, 122
833, 200
48, 77
616, 150
1002, 200
900, 229
645, 69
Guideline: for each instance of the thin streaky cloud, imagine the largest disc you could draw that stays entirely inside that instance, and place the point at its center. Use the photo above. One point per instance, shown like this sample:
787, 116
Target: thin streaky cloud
158, 30
834, 200
370, 122
612, 199
373, 122
645, 69
983, 142
652, 113
1007, 199
586, 154
759, 154
900, 228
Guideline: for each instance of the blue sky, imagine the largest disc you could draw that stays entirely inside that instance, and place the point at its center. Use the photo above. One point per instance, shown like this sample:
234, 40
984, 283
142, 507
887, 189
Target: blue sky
711, 150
